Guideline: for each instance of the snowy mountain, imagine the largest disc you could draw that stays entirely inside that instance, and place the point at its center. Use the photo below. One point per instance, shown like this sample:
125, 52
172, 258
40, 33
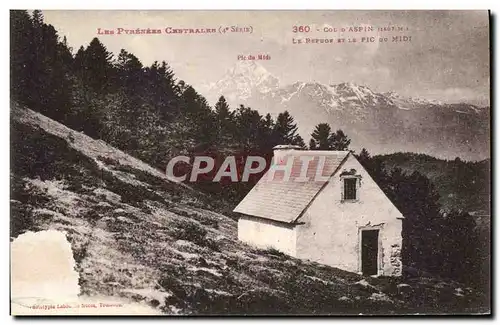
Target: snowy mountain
382, 122
242, 81
333, 97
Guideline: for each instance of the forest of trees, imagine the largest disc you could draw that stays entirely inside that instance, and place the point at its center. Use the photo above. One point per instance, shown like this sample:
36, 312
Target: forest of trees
142, 110
444, 242
147, 112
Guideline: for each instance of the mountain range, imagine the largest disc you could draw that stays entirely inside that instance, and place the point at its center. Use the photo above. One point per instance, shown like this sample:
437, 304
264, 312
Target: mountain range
381, 122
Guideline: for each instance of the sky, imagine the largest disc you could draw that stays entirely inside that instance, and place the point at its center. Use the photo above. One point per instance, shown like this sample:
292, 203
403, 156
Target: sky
447, 58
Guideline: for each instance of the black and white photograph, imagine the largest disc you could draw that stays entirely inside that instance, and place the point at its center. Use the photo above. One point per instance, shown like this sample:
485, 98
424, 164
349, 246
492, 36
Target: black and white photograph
250, 162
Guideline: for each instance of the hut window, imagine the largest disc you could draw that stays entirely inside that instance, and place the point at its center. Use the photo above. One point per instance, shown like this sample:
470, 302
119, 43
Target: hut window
350, 188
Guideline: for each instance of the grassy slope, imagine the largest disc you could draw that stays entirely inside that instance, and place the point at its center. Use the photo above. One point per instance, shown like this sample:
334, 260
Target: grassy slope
137, 235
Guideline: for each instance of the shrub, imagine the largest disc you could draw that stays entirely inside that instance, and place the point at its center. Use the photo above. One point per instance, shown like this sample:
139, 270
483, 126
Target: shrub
189, 231
109, 160
193, 232
173, 285
210, 222
273, 251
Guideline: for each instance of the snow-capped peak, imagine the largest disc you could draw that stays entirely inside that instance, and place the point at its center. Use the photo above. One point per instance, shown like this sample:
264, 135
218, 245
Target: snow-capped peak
409, 102
353, 90
248, 67
343, 96
243, 79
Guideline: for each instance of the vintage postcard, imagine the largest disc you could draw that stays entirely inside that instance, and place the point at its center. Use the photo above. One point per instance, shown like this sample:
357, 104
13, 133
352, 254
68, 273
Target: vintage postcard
250, 162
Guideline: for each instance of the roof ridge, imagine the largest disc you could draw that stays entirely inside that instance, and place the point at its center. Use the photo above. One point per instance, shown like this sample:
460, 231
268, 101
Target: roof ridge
321, 189
318, 152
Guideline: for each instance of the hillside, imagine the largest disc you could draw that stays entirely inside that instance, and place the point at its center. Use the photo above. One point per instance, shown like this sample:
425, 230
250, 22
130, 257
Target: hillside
139, 236
461, 185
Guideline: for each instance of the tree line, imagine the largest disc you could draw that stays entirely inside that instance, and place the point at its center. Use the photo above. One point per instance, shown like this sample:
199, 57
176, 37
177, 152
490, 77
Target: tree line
445, 242
147, 112
143, 110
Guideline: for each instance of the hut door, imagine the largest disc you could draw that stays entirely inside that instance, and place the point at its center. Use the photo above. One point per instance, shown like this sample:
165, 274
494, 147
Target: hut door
369, 252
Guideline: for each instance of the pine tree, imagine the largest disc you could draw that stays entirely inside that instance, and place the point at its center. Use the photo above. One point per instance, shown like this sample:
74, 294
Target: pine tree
222, 110
268, 122
160, 90
417, 199
321, 137
39, 65
224, 118
285, 128
339, 141
79, 61
364, 157
249, 124
266, 136
130, 74
195, 108
65, 54
37, 18
38, 37
21, 55
95, 66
